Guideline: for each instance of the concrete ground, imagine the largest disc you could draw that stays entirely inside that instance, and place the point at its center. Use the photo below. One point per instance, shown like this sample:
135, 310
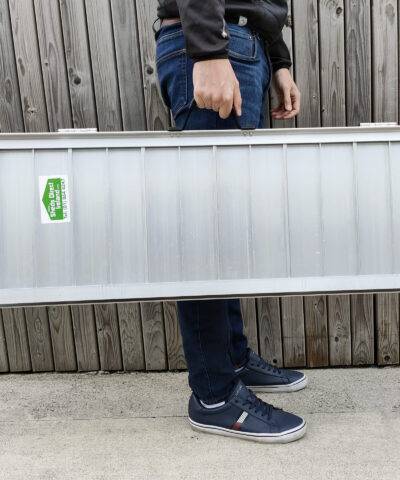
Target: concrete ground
133, 426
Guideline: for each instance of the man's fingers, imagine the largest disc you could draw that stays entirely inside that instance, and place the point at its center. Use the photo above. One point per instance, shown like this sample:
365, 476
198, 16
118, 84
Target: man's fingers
199, 101
237, 100
225, 108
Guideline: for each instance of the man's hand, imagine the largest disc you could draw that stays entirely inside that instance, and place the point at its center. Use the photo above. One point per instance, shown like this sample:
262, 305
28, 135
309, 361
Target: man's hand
288, 95
216, 87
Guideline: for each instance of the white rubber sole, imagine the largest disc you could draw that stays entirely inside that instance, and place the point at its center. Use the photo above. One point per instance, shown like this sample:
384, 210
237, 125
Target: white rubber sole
290, 387
286, 437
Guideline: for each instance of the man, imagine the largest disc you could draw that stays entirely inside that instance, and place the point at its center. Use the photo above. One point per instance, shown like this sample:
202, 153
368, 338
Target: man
225, 54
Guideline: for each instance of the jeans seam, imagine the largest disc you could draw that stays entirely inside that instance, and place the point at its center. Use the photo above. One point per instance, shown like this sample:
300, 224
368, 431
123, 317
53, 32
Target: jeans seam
167, 36
179, 108
203, 358
173, 54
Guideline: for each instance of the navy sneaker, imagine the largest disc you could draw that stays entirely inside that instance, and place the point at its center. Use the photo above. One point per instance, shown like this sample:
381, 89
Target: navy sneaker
260, 376
246, 416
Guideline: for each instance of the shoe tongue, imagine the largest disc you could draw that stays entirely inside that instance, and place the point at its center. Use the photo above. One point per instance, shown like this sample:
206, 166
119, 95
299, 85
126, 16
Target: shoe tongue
253, 356
240, 391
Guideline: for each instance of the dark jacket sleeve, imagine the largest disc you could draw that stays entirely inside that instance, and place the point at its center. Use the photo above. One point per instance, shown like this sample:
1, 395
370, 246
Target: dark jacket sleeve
204, 28
279, 54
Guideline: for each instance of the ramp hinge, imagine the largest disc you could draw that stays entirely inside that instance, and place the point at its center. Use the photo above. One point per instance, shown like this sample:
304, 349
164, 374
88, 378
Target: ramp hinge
76, 130
379, 124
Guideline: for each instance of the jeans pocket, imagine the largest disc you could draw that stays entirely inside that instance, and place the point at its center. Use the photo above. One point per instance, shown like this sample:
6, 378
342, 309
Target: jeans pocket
171, 62
242, 44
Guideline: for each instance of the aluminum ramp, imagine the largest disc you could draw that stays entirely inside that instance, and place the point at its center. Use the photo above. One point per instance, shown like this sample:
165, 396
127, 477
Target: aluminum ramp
88, 217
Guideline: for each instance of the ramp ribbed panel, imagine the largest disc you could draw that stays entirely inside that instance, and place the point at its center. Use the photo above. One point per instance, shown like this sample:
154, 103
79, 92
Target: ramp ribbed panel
201, 214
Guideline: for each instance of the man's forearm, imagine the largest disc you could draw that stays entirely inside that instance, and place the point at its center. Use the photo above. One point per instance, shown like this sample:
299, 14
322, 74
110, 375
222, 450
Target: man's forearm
279, 54
204, 28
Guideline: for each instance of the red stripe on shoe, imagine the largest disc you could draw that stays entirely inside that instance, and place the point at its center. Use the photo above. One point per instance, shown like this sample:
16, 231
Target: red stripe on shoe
240, 421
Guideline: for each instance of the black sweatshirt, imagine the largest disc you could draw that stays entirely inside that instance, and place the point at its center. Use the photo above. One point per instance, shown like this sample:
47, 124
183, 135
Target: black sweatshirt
206, 34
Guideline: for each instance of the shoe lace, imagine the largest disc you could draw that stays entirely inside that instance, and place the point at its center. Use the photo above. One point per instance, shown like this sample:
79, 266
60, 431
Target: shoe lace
258, 405
267, 366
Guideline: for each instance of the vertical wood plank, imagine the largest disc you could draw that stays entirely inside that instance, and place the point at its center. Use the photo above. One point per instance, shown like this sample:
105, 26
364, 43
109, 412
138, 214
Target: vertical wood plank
128, 64
249, 315
387, 328
339, 330
108, 336
11, 119
176, 355
130, 329
157, 118
362, 329
153, 336
305, 32
358, 62
103, 64
53, 65
332, 64
77, 55
273, 97
315, 313
28, 62
156, 113
385, 61
293, 333
37, 325
4, 367
83, 323
269, 330
62, 338
17, 340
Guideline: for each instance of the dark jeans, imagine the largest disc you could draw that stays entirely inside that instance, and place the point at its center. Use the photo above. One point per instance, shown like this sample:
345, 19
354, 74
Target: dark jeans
212, 330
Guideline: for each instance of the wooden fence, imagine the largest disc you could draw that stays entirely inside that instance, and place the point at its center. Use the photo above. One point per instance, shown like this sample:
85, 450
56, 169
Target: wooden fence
77, 63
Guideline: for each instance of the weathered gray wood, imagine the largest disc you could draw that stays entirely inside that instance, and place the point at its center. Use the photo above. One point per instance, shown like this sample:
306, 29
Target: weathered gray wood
62, 338
176, 355
108, 336
332, 64
315, 314
128, 64
17, 339
269, 330
305, 17
362, 329
37, 324
273, 97
293, 334
131, 335
339, 330
78, 62
54, 70
157, 117
10, 102
102, 53
4, 367
43, 79
156, 112
387, 328
28, 65
153, 335
83, 322
385, 61
358, 61
249, 315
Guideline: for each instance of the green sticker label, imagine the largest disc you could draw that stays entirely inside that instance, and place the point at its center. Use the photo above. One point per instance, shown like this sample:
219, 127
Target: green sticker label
54, 199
